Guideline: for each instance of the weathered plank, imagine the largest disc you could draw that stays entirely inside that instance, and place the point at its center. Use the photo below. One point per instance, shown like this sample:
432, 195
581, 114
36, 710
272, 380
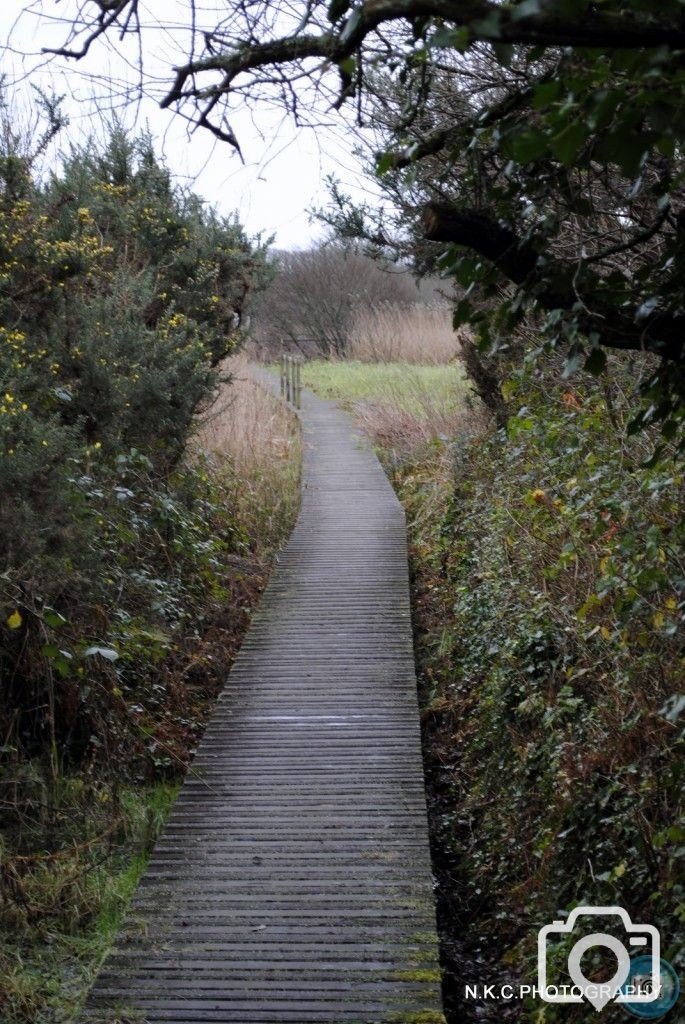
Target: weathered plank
292, 882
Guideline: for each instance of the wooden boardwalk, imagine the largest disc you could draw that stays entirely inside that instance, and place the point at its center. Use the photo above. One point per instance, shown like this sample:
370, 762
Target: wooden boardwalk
292, 882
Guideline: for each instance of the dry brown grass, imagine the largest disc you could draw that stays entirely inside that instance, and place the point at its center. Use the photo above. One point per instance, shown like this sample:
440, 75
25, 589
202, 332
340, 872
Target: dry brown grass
246, 423
403, 435
414, 334
250, 437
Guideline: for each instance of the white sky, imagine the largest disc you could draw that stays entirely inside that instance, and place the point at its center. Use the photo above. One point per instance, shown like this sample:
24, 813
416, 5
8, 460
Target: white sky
284, 169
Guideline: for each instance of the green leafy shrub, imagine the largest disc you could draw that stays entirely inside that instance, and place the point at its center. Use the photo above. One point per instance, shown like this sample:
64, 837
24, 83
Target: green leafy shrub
549, 576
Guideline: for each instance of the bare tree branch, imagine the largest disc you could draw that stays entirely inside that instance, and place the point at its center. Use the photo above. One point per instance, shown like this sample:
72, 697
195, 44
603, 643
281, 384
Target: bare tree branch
522, 263
109, 15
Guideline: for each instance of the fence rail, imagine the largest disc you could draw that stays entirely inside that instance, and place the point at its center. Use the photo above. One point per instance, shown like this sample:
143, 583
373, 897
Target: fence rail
291, 379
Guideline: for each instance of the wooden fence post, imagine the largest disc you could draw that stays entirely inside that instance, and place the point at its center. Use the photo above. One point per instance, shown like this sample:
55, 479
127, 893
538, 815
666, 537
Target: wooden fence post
291, 379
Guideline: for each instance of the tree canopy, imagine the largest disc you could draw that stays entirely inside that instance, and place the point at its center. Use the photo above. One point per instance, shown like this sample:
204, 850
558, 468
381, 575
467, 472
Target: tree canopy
539, 142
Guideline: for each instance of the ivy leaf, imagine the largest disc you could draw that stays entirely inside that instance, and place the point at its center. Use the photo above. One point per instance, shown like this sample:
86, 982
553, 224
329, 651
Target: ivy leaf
59, 659
525, 145
451, 39
605, 103
489, 26
638, 423
52, 618
504, 53
666, 145
674, 707
573, 362
624, 147
384, 162
463, 313
546, 93
568, 143
448, 259
647, 308
350, 27
526, 9
348, 66
569, 8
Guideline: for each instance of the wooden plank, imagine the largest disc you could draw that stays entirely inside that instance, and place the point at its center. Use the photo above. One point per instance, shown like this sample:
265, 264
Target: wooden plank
292, 881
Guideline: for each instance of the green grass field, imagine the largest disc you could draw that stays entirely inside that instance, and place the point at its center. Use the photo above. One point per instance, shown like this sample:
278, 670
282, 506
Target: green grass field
409, 388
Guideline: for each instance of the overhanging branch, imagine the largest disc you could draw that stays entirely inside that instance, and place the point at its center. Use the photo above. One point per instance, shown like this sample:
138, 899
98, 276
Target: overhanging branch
555, 284
440, 139
484, 19
107, 17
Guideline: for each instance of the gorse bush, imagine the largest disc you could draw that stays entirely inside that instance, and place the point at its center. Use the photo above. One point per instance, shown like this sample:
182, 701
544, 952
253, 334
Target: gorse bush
119, 296
549, 576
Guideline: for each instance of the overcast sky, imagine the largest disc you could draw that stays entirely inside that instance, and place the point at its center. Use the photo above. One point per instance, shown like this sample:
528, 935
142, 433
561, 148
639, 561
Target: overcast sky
284, 169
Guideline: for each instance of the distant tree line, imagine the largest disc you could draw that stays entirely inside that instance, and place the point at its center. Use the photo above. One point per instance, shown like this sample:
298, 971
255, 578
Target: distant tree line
316, 295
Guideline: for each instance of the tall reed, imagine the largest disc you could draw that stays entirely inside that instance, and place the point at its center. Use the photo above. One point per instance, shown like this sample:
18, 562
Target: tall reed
411, 334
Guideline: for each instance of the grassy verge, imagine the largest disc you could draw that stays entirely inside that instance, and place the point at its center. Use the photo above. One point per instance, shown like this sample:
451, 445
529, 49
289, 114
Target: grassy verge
547, 572
67, 906
76, 837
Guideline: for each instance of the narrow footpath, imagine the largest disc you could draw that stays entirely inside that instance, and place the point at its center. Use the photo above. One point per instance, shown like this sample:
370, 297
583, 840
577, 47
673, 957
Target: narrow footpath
292, 882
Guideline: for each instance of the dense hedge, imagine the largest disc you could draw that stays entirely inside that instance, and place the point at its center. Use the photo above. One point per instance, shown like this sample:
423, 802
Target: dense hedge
549, 573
